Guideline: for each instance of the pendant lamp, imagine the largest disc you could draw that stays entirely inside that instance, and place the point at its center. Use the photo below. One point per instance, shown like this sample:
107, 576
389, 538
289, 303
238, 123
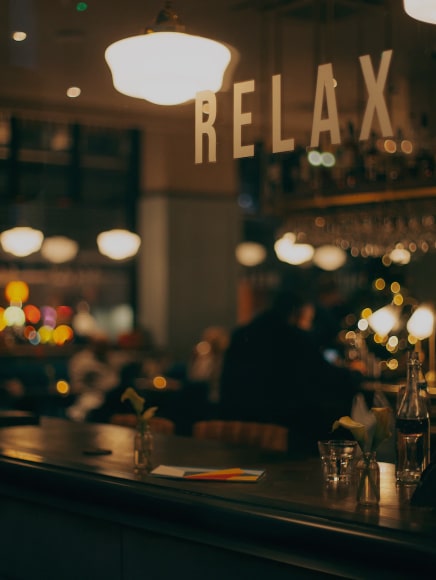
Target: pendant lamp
250, 253
329, 257
59, 249
283, 246
118, 244
21, 241
384, 320
165, 65
421, 323
423, 10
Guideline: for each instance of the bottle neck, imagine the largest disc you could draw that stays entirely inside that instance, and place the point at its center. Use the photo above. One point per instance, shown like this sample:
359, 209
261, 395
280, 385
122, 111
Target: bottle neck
412, 405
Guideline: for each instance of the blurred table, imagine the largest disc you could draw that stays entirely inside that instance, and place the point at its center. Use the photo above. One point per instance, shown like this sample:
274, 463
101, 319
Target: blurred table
69, 514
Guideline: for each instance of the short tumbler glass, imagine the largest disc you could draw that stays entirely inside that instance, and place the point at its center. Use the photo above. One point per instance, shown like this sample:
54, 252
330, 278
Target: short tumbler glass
337, 458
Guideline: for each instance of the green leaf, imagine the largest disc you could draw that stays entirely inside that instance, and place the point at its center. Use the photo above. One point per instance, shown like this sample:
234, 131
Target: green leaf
135, 400
149, 413
357, 429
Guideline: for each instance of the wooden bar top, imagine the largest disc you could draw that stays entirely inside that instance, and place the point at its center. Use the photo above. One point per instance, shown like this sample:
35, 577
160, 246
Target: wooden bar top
290, 515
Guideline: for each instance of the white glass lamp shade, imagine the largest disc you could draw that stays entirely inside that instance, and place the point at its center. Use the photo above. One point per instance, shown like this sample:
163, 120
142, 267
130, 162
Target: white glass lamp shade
59, 249
400, 255
167, 68
21, 241
283, 246
250, 253
300, 254
421, 323
423, 10
288, 251
118, 244
383, 320
329, 257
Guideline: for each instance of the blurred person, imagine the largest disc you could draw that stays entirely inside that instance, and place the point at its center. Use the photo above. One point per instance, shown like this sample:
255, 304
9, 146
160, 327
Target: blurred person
12, 394
153, 376
274, 371
206, 361
330, 312
92, 374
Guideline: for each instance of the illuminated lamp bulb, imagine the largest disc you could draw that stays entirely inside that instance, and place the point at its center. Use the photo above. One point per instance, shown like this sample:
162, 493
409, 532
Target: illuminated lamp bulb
296, 254
383, 320
21, 241
14, 316
421, 323
250, 253
165, 65
283, 245
400, 255
59, 249
329, 257
423, 10
17, 291
118, 244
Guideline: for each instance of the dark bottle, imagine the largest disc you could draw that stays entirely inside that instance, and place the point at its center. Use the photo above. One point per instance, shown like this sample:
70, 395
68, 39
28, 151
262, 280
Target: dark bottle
412, 428
423, 388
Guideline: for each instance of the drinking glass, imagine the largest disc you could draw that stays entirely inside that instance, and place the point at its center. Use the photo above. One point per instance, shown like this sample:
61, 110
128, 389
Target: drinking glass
337, 459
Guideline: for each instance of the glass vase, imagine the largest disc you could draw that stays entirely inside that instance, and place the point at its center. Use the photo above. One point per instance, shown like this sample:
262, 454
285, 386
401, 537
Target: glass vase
368, 480
143, 448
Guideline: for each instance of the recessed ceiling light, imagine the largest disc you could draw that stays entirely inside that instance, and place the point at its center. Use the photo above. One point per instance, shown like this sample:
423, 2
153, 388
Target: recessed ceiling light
19, 35
73, 92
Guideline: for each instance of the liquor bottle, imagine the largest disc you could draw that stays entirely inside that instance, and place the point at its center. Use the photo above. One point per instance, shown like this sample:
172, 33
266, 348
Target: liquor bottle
412, 428
423, 388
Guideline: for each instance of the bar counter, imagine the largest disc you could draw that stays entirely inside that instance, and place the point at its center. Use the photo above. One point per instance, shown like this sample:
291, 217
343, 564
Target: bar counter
66, 514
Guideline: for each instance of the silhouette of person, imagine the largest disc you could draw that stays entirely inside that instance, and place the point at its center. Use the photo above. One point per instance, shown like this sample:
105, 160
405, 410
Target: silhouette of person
273, 371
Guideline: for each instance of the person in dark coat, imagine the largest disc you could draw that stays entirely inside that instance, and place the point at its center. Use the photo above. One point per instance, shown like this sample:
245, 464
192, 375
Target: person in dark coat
274, 371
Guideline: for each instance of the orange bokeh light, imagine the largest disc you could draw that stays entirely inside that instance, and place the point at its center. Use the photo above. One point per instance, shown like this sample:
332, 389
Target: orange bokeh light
17, 291
32, 313
62, 334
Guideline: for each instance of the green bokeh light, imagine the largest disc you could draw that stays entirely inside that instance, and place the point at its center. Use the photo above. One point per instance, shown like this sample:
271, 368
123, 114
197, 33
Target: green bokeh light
81, 6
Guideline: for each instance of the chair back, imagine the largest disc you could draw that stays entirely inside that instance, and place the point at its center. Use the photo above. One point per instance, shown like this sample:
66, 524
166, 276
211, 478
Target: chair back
158, 424
261, 435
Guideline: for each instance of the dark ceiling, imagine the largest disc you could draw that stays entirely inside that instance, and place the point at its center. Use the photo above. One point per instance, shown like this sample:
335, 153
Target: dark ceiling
66, 47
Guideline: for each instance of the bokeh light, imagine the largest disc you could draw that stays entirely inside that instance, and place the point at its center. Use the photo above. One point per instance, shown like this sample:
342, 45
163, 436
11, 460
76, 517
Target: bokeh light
45, 334
379, 284
14, 316
62, 334
48, 315
159, 382
64, 314
17, 291
62, 387
32, 313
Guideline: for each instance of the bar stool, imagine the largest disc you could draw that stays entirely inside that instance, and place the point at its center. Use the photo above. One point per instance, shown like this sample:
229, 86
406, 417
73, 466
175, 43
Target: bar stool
262, 435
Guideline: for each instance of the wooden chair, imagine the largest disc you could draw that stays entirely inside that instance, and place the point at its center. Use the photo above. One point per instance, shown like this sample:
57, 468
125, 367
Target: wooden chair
261, 435
157, 424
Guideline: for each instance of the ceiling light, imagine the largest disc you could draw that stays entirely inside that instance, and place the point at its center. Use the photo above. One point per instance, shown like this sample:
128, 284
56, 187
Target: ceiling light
421, 323
423, 10
21, 241
73, 92
250, 253
288, 251
383, 320
59, 249
400, 255
329, 257
118, 244
165, 65
19, 35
